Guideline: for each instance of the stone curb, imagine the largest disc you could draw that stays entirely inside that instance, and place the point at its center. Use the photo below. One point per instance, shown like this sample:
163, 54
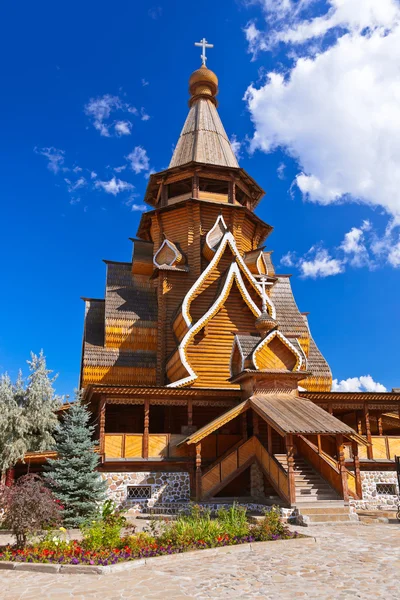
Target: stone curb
152, 561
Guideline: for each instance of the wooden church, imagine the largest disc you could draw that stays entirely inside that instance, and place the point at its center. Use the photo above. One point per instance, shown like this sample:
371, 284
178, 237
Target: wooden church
201, 372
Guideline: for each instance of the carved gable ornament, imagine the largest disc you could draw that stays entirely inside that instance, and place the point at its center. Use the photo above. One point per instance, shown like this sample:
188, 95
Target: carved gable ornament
168, 255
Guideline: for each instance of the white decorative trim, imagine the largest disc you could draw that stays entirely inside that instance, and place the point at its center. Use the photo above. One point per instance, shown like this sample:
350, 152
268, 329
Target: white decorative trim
172, 247
228, 239
234, 345
233, 273
284, 339
219, 219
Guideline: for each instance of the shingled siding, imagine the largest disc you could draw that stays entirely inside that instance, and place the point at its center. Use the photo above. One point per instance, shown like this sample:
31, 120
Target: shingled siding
120, 339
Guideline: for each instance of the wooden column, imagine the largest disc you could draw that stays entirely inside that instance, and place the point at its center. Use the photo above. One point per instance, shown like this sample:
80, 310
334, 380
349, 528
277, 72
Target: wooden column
102, 425
379, 424
195, 189
10, 477
359, 423
190, 412
146, 423
370, 453
244, 425
319, 444
330, 408
269, 441
356, 461
198, 472
342, 466
256, 424
290, 462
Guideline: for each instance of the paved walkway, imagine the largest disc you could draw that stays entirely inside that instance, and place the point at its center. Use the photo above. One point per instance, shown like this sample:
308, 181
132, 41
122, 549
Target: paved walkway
347, 562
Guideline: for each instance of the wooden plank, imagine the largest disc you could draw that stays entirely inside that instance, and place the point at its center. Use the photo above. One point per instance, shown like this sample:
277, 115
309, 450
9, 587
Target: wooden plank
228, 465
113, 445
394, 446
158, 445
379, 447
133, 445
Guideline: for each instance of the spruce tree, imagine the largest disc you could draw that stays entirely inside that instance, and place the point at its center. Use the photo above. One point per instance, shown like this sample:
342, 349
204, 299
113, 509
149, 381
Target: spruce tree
72, 476
40, 405
13, 424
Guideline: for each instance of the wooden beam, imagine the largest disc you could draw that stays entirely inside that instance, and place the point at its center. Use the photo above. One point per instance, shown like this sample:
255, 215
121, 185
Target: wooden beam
198, 472
357, 472
319, 444
342, 466
291, 474
102, 425
269, 441
244, 425
190, 412
370, 453
359, 423
256, 424
379, 423
146, 425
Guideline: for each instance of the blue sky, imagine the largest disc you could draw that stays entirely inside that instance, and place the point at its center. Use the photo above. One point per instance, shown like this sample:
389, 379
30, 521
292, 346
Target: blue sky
94, 96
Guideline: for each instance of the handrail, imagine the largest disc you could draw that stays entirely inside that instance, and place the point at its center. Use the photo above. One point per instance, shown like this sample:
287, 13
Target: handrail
323, 455
223, 455
325, 468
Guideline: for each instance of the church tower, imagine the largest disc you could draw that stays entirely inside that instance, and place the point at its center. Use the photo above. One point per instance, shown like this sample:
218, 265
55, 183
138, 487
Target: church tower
198, 272
196, 362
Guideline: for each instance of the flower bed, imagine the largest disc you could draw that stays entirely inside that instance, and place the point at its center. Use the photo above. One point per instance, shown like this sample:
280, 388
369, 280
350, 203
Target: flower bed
103, 545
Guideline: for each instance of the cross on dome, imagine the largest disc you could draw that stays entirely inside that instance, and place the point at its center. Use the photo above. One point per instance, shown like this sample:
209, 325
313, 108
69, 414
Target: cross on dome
204, 44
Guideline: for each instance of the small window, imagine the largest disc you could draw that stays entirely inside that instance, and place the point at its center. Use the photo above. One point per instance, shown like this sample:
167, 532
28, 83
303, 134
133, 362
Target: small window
386, 489
138, 492
241, 197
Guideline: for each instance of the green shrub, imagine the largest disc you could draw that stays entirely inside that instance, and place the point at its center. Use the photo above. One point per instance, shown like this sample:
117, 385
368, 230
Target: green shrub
233, 520
271, 527
139, 541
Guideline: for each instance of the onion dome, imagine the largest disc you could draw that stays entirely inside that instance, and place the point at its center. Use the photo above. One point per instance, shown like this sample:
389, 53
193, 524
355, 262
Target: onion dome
265, 323
203, 83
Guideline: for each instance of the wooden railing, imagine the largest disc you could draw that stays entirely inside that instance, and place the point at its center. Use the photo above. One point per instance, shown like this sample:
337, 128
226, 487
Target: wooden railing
130, 445
324, 464
351, 484
228, 465
383, 447
274, 470
238, 458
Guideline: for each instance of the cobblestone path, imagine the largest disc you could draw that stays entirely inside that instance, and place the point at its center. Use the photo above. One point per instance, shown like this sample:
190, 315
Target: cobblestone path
346, 562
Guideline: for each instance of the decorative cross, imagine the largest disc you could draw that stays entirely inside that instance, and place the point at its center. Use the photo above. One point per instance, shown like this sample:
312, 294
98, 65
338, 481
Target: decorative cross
204, 44
263, 284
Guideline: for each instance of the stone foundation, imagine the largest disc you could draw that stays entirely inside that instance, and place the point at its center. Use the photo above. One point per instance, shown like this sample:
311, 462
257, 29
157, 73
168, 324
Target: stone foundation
372, 499
165, 488
256, 481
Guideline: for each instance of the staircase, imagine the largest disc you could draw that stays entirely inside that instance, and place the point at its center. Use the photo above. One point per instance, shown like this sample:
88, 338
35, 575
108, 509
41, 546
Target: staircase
310, 487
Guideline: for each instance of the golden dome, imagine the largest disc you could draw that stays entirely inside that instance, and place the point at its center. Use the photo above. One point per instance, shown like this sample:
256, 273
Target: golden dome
203, 82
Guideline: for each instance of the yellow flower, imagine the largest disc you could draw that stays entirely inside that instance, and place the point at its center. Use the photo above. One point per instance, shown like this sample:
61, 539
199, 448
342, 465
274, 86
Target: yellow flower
63, 529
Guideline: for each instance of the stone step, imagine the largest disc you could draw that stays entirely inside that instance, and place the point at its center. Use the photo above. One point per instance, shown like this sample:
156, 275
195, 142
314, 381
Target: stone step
323, 518
324, 510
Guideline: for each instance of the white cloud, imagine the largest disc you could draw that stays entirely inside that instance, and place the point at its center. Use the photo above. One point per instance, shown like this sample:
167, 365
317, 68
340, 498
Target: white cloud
120, 169
319, 264
100, 109
93, 175
143, 115
75, 185
114, 186
77, 169
281, 170
138, 207
336, 111
144, 82
236, 146
365, 383
54, 156
155, 12
289, 259
138, 159
353, 245
123, 128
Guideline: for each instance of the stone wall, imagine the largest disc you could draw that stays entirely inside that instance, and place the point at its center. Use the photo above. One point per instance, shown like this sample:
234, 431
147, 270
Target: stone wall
165, 488
256, 481
371, 498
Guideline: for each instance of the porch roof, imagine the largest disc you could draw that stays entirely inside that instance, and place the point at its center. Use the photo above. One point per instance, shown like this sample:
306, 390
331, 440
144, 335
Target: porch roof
286, 414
